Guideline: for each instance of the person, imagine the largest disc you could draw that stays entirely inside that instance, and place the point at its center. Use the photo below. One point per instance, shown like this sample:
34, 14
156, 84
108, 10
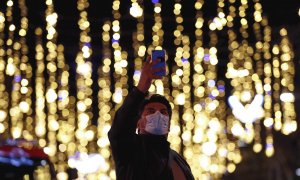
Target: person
138, 135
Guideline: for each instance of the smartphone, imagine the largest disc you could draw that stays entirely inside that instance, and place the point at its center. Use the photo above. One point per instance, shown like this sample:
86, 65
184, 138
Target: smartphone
159, 54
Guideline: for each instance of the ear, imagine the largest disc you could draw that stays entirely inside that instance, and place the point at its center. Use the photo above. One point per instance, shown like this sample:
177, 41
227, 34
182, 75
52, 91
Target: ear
141, 126
138, 124
169, 127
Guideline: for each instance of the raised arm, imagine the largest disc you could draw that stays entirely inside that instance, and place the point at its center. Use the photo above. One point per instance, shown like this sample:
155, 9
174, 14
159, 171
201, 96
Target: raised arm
126, 117
122, 133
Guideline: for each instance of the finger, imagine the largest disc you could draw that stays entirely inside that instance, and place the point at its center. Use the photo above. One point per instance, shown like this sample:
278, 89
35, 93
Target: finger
157, 77
148, 59
162, 69
156, 61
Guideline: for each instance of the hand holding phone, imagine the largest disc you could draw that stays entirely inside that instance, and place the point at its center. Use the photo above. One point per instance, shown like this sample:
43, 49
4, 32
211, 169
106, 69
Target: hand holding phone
161, 56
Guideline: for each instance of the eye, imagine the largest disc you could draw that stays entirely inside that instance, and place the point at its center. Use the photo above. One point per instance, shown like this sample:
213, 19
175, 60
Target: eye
152, 111
164, 112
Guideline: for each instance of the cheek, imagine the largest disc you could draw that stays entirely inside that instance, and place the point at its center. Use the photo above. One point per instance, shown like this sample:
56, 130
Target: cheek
142, 123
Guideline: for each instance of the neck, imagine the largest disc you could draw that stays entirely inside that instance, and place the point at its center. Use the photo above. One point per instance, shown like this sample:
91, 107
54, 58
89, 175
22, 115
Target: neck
153, 135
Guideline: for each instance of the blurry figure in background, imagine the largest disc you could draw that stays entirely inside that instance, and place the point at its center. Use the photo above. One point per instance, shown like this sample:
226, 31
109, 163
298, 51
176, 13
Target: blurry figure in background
23, 159
145, 154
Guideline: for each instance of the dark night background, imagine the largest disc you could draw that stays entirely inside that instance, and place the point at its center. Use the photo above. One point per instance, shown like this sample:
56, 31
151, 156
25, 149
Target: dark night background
280, 13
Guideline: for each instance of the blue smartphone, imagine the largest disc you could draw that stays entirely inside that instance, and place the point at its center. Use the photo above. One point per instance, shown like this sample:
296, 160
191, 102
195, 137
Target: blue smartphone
159, 54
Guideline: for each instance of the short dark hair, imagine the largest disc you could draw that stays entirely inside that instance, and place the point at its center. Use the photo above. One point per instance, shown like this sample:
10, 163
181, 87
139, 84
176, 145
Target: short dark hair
159, 99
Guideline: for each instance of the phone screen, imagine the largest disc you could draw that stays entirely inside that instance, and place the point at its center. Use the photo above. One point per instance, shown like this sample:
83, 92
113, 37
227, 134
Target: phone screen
159, 54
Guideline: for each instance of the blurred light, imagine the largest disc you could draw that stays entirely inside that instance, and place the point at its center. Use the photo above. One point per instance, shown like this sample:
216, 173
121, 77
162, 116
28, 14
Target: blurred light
231, 167
204, 110
10, 69
289, 127
245, 113
180, 99
237, 130
257, 147
211, 83
287, 97
246, 96
51, 95
86, 163
117, 96
209, 148
24, 106
3, 115
269, 150
136, 10
84, 68
298, 169
268, 122
2, 128
52, 19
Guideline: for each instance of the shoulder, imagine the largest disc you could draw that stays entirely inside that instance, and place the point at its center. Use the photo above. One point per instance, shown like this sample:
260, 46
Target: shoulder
183, 164
175, 153
178, 158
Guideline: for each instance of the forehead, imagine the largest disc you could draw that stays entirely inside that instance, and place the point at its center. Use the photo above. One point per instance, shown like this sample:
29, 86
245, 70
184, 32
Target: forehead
155, 105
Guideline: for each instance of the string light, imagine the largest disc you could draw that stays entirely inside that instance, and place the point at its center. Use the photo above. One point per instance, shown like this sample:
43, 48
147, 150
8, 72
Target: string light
26, 73
240, 70
120, 59
3, 93
176, 80
40, 114
257, 28
51, 83
209, 105
199, 161
268, 119
138, 46
277, 88
65, 133
104, 103
85, 133
181, 86
10, 67
120, 64
136, 10
10, 70
287, 82
159, 86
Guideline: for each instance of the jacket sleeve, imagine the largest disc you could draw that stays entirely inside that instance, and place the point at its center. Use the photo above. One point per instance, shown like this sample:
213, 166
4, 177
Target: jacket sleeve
122, 132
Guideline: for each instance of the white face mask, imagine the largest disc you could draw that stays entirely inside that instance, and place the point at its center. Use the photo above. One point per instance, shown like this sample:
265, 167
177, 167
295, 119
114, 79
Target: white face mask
157, 124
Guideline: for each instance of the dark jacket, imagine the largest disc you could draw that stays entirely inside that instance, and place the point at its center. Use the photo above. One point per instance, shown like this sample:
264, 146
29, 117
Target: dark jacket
140, 157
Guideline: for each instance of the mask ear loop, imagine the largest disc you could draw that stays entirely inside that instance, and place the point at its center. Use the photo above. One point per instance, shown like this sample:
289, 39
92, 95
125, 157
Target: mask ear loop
137, 130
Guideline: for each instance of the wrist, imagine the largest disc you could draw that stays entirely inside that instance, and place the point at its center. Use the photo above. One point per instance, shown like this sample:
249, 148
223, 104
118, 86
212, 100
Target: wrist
136, 89
142, 88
